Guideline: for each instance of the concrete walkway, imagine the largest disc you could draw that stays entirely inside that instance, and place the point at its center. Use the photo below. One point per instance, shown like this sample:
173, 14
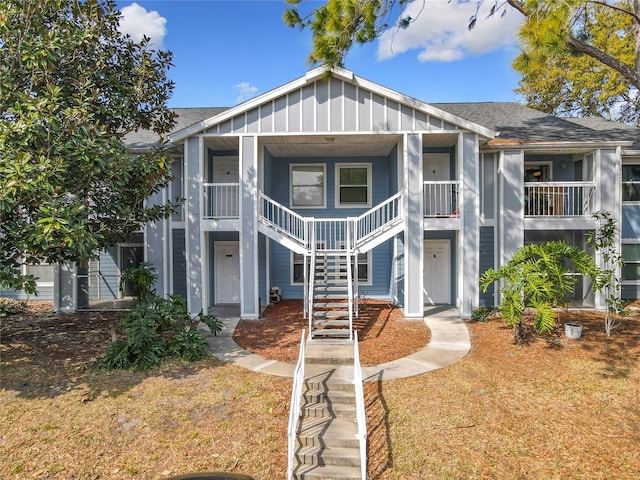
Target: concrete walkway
449, 343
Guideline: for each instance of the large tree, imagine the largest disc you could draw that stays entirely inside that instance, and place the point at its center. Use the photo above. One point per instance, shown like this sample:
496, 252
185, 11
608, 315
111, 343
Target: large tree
589, 72
71, 87
551, 30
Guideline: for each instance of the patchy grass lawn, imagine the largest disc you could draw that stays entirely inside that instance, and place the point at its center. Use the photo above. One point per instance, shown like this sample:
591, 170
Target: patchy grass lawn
557, 408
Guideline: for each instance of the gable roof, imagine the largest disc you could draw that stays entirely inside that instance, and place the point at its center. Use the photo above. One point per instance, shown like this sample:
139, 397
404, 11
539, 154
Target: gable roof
406, 108
516, 122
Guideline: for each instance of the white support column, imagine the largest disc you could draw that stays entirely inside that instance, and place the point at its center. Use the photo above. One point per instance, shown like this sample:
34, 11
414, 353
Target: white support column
511, 204
66, 288
156, 244
249, 283
469, 240
608, 176
194, 160
414, 231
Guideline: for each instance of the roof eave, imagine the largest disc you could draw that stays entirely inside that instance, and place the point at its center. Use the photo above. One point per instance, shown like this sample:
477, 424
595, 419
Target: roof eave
515, 144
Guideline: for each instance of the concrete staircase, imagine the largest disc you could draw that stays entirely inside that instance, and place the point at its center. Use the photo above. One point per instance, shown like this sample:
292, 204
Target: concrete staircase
327, 439
331, 297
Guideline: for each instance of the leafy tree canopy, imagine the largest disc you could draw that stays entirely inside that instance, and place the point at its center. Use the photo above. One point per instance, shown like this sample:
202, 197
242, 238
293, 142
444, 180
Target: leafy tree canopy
558, 77
71, 87
601, 35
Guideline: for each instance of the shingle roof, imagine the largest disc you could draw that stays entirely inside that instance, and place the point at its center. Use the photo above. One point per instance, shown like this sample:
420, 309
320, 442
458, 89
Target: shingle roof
517, 122
513, 120
184, 118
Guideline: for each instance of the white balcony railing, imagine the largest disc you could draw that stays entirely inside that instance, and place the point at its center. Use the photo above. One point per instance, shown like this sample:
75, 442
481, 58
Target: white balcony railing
441, 198
221, 200
558, 199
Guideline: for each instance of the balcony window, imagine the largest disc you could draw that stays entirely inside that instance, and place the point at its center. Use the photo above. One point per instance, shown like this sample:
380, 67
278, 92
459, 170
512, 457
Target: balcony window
631, 183
308, 186
631, 266
353, 185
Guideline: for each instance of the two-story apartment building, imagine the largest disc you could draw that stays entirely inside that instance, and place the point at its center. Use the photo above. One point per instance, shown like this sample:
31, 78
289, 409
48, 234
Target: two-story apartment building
419, 199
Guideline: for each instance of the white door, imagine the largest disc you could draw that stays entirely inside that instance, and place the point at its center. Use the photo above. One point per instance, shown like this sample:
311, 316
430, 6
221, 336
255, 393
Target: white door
227, 272
437, 272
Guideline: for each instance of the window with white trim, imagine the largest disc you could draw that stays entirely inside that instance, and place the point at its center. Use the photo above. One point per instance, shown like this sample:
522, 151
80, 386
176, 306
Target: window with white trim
353, 185
297, 268
631, 265
308, 185
631, 183
43, 273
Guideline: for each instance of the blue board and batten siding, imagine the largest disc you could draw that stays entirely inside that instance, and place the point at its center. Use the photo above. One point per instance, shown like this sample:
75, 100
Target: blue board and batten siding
487, 261
382, 186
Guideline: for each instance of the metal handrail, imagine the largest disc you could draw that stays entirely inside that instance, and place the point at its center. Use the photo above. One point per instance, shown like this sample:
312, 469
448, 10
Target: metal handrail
440, 198
376, 218
349, 280
558, 199
284, 220
361, 417
312, 276
221, 200
294, 408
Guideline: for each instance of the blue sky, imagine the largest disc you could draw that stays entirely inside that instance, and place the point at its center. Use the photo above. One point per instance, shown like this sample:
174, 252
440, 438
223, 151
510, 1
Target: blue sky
228, 51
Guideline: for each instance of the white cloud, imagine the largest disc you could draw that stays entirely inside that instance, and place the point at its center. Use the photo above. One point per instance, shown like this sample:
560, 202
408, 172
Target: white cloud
245, 91
137, 21
440, 31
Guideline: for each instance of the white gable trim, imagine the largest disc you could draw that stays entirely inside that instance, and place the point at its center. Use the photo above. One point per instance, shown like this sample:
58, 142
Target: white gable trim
345, 75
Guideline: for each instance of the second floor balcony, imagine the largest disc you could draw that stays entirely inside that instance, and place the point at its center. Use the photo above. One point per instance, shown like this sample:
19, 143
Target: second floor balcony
559, 199
441, 199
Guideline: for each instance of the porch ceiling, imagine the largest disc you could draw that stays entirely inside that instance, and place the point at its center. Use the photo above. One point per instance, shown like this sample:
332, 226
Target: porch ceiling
331, 145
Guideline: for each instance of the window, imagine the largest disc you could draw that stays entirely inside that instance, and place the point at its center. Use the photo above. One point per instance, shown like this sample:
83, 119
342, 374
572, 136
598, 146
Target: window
43, 273
297, 268
353, 185
308, 186
631, 266
631, 183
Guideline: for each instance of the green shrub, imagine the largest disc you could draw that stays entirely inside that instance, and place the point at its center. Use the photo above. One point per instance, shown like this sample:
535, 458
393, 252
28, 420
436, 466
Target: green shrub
142, 277
482, 314
155, 329
9, 306
211, 321
190, 345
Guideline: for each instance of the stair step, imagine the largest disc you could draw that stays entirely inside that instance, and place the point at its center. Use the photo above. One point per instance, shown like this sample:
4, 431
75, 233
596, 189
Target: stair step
320, 456
327, 472
337, 323
328, 332
331, 314
329, 410
328, 432
330, 281
330, 296
331, 304
315, 396
329, 288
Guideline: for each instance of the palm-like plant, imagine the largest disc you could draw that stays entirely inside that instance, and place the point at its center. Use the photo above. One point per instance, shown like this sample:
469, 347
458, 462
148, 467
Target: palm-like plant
538, 277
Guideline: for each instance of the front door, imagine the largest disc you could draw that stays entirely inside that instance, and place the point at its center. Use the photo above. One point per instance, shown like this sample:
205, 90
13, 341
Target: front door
227, 272
437, 272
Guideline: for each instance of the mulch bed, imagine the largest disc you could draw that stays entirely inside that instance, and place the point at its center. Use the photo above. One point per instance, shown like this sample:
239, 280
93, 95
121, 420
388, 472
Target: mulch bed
383, 332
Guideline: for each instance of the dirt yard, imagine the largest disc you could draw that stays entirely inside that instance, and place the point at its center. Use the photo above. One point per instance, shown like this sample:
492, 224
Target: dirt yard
555, 409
